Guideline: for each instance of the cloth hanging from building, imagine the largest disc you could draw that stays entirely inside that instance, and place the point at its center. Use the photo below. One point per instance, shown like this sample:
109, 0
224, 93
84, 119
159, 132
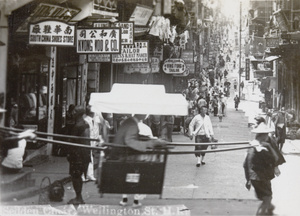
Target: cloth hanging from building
160, 27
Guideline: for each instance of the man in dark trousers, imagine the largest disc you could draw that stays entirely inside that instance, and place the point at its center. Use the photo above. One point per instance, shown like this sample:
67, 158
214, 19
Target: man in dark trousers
260, 168
79, 158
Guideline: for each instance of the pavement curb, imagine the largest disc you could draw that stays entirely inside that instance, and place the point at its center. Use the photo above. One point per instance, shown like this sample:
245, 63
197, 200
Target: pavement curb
18, 195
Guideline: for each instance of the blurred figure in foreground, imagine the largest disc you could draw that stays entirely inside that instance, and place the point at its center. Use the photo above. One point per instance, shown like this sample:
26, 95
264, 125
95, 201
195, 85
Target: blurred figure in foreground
128, 135
13, 150
260, 168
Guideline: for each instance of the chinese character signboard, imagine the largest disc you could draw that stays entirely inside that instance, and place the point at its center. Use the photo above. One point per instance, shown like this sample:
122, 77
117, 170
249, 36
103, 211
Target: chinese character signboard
127, 32
142, 68
174, 66
105, 41
136, 53
52, 33
98, 58
247, 69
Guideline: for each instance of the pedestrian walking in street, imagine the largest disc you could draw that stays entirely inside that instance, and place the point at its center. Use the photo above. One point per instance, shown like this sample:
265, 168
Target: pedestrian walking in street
94, 134
201, 128
235, 83
79, 158
242, 86
280, 127
259, 167
214, 104
128, 135
167, 124
236, 102
220, 113
70, 119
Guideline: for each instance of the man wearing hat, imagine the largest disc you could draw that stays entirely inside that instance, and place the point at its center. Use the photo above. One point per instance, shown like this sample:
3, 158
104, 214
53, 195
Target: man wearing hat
259, 166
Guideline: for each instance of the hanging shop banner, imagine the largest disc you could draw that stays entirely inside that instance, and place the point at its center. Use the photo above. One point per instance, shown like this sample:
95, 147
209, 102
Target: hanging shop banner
174, 66
127, 29
52, 33
105, 41
135, 53
141, 15
93, 58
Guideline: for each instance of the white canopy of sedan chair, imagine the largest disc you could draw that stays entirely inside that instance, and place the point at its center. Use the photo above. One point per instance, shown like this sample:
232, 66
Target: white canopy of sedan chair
139, 99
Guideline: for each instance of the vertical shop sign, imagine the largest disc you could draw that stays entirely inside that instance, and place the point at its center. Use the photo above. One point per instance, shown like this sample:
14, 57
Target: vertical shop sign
105, 40
247, 69
51, 98
127, 29
158, 51
84, 78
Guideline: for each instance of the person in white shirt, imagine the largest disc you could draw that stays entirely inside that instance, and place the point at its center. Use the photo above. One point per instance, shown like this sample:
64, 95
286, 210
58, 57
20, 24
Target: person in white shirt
201, 128
94, 133
13, 150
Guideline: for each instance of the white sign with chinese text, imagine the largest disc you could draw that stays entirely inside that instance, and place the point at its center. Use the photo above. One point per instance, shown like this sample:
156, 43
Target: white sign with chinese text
135, 53
106, 40
53, 33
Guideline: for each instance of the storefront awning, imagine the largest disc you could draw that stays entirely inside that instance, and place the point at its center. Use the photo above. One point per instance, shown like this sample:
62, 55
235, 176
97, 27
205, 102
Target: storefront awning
139, 99
271, 58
